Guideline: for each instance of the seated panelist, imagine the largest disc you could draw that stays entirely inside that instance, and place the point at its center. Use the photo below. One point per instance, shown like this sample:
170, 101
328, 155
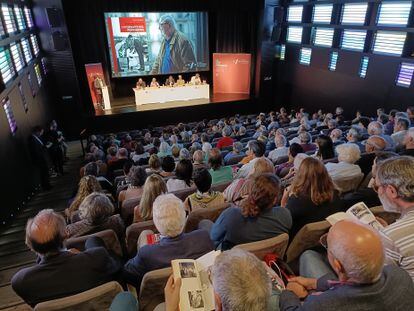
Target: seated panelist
154, 83
180, 81
141, 84
170, 81
195, 80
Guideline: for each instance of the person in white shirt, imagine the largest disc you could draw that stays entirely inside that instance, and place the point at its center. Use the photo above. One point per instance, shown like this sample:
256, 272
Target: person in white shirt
183, 173
400, 130
195, 80
154, 83
281, 149
348, 154
257, 149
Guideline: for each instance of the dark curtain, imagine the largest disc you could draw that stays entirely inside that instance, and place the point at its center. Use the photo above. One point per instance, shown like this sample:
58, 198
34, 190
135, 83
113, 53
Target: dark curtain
232, 28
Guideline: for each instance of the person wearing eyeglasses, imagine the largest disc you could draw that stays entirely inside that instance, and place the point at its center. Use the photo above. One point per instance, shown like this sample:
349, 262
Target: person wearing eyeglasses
356, 277
176, 53
394, 183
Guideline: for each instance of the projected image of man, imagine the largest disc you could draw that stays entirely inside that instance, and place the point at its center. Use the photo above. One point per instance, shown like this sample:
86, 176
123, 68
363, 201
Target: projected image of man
176, 52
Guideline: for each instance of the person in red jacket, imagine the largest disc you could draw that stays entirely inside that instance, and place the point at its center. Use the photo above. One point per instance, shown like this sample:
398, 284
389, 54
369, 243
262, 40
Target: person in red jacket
226, 140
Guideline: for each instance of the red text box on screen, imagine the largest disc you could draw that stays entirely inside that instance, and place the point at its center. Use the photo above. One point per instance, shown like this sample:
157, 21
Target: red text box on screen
132, 24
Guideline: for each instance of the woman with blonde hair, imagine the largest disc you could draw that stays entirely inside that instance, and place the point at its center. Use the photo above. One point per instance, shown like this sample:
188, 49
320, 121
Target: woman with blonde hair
312, 196
153, 187
87, 185
240, 188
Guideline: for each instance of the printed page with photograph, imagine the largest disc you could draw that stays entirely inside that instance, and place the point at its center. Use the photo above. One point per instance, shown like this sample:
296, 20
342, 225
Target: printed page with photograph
359, 212
196, 289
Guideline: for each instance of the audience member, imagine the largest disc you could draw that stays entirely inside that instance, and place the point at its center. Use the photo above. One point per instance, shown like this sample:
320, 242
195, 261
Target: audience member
183, 175
92, 169
257, 219
168, 166
164, 150
283, 169
355, 285
236, 152
394, 182
281, 150
137, 177
153, 187
169, 219
312, 196
60, 272
198, 160
154, 165
408, 143
204, 197
376, 128
256, 149
240, 282
336, 136
306, 142
219, 173
96, 214
354, 136
87, 185
400, 129
325, 148
226, 140
348, 154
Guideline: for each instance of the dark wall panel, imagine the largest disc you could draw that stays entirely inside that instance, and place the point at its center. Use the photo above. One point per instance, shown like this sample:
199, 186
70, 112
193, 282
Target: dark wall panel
315, 86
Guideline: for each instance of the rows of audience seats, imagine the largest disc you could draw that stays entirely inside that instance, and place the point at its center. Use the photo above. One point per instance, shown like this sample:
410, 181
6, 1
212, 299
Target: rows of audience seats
260, 183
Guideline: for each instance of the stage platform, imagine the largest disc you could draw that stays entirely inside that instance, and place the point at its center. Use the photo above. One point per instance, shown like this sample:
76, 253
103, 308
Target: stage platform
127, 104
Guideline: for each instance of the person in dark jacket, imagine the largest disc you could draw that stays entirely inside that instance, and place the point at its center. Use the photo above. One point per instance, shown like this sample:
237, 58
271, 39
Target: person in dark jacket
60, 272
258, 219
169, 219
355, 284
38, 153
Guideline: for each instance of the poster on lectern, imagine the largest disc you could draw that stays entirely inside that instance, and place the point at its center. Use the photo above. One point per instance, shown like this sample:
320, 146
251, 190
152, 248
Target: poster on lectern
96, 82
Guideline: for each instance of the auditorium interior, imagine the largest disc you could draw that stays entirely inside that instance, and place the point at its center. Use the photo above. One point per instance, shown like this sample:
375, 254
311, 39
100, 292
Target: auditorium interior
316, 89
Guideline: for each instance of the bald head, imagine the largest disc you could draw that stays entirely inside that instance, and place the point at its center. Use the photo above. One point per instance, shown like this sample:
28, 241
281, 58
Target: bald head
375, 143
357, 252
45, 232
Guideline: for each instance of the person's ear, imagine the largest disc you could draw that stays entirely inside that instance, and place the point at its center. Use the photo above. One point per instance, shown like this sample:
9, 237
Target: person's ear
391, 192
217, 301
339, 269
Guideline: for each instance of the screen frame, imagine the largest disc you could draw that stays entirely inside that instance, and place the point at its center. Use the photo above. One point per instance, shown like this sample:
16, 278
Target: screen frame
109, 52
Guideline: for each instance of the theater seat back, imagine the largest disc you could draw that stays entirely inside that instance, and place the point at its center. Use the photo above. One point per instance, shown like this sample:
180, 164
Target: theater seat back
108, 236
276, 245
98, 298
133, 232
197, 215
307, 237
152, 288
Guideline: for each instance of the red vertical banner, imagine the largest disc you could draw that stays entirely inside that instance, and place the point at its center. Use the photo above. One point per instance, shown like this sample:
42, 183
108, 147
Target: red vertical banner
94, 71
231, 73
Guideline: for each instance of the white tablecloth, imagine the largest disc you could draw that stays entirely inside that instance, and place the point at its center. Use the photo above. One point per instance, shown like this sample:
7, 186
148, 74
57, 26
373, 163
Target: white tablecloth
166, 94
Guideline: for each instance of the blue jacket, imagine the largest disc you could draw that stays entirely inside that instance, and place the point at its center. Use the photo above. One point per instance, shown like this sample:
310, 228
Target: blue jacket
393, 291
232, 228
157, 256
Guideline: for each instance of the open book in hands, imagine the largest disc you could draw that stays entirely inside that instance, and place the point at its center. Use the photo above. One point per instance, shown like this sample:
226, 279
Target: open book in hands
196, 290
359, 212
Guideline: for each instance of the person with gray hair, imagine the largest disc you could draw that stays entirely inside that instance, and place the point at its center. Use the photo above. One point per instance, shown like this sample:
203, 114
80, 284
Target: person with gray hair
306, 142
240, 282
400, 130
226, 140
409, 143
376, 128
336, 136
169, 219
355, 278
176, 52
281, 149
354, 136
256, 149
394, 183
60, 272
96, 213
348, 154
237, 151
